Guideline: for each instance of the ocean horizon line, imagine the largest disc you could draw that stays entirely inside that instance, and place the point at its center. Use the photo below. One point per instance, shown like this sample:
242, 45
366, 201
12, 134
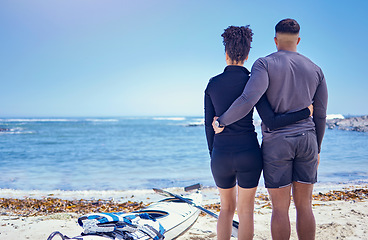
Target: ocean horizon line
106, 118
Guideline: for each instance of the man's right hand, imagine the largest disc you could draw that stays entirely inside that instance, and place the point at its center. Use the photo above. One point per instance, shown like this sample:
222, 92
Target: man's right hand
318, 161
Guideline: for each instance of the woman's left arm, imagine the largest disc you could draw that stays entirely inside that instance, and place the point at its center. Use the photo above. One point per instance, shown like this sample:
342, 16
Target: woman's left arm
273, 120
209, 114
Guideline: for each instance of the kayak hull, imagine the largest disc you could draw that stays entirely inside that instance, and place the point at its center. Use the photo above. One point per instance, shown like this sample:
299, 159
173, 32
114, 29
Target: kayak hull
175, 216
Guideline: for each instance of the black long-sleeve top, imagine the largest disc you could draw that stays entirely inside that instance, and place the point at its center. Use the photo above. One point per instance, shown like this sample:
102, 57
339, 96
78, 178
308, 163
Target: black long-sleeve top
222, 90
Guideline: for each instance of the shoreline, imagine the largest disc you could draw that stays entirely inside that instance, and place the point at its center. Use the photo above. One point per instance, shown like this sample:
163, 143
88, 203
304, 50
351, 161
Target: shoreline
148, 195
340, 213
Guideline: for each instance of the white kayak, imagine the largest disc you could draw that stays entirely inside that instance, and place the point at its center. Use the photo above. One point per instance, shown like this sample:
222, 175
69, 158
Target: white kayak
166, 219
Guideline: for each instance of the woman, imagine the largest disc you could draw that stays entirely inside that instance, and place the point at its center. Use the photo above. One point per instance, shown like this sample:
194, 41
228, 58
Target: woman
236, 157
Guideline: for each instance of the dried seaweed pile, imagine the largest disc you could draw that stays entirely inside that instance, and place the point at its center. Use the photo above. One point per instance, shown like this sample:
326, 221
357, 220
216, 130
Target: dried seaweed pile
347, 195
34, 207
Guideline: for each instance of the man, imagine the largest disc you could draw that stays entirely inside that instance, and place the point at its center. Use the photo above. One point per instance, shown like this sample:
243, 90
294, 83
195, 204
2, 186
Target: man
291, 154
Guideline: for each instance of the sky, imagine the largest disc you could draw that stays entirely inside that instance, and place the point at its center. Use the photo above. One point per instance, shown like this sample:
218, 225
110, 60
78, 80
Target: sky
105, 58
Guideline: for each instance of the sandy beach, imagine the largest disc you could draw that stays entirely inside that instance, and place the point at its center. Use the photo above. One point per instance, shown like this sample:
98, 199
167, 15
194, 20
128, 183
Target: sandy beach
340, 214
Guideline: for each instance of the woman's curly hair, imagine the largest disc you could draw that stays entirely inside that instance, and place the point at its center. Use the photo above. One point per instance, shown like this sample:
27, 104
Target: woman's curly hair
237, 42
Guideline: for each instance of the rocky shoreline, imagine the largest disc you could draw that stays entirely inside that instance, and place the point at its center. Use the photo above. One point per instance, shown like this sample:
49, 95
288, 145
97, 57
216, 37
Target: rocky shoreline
358, 124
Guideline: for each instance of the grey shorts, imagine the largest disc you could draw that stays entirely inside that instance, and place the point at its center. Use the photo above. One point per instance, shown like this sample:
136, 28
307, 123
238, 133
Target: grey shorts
290, 158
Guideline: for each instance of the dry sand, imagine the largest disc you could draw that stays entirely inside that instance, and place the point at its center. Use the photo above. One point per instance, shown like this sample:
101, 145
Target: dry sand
337, 219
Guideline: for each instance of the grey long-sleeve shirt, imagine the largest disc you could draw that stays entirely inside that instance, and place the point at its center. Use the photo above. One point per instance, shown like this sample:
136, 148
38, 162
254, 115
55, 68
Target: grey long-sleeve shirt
291, 82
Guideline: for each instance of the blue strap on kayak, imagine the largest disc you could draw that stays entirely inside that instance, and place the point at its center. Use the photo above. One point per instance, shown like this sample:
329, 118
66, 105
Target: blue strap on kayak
98, 223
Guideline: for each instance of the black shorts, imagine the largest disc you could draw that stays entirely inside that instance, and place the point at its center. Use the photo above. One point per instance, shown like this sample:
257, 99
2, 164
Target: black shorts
290, 158
231, 167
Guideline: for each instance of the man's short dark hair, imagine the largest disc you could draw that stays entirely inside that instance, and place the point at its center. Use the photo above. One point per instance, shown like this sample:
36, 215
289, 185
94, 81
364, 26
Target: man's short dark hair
287, 26
237, 42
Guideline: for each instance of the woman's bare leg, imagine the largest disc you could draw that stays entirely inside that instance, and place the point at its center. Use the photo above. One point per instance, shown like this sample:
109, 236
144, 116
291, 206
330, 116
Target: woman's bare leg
228, 205
246, 212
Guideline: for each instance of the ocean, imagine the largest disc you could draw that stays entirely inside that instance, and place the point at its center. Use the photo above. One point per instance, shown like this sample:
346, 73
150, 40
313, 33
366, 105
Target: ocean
76, 154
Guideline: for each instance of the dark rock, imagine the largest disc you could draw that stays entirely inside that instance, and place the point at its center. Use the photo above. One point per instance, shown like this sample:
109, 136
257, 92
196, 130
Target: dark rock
359, 124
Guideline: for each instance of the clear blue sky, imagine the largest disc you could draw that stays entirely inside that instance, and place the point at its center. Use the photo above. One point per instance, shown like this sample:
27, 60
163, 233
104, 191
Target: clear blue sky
155, 57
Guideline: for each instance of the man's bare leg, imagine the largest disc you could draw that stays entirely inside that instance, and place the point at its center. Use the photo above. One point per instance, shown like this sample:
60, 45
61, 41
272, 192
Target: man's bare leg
280, 222
305, 222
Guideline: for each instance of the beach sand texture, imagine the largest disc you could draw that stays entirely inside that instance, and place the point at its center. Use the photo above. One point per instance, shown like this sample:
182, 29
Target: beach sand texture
339, 214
